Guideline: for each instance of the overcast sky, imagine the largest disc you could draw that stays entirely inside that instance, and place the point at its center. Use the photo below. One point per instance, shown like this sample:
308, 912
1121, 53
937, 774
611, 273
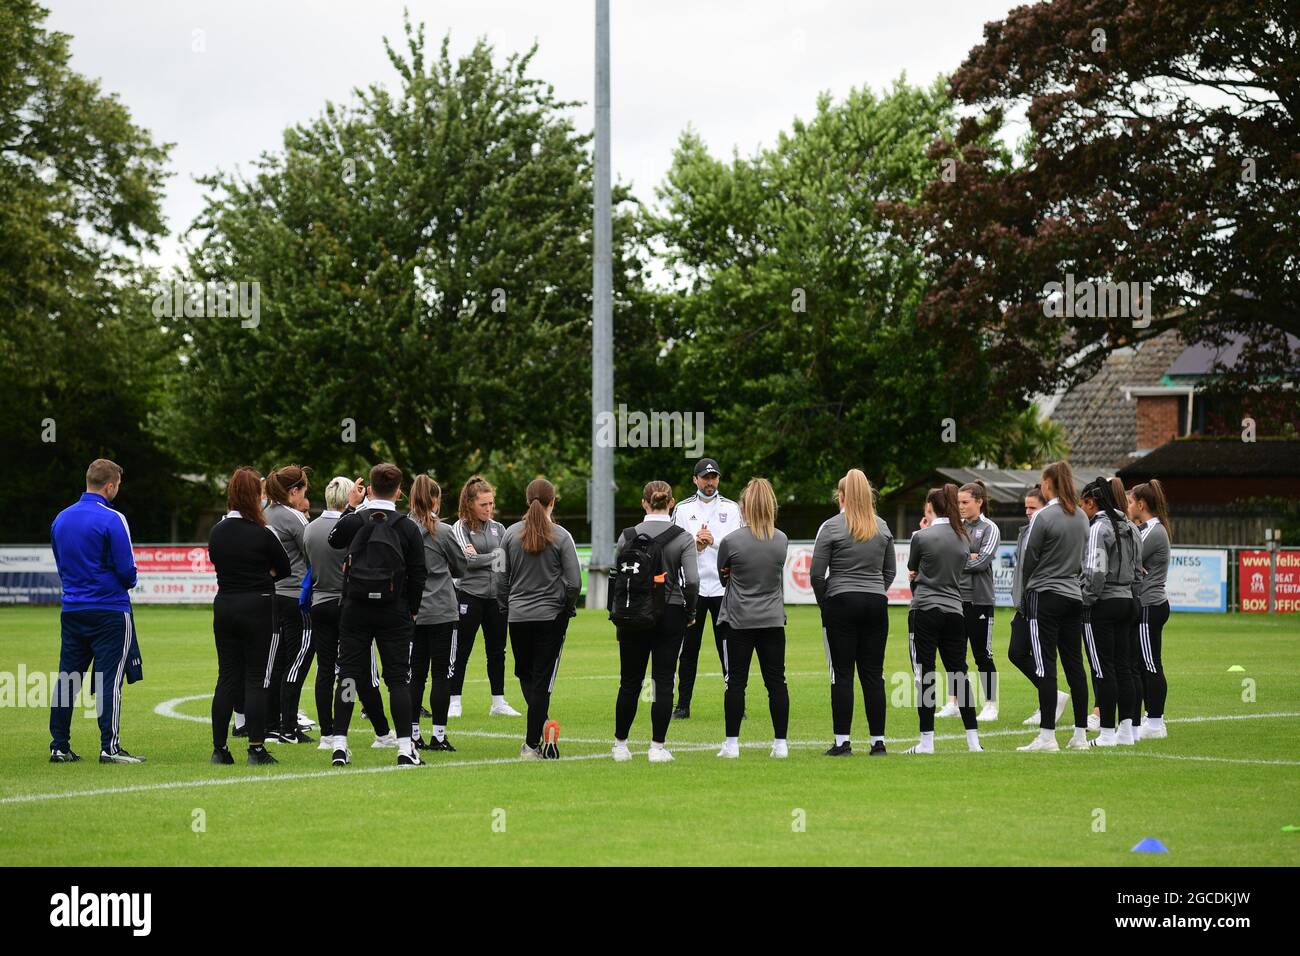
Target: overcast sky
738, 72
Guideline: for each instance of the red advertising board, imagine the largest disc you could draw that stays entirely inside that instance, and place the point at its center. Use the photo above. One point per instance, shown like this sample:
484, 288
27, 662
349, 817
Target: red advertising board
1254, 577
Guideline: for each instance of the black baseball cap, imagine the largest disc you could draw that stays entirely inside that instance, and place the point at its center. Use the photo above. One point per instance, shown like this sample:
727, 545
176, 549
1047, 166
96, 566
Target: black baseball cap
706, 465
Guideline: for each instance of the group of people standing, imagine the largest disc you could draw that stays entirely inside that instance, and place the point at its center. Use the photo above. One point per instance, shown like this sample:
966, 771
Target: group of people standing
376, 594
364, 587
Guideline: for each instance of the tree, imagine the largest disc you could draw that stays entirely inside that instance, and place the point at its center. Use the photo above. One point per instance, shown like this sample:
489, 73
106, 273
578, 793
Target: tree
1161, 149
80, 357
795, 303
424, 266
1027, 441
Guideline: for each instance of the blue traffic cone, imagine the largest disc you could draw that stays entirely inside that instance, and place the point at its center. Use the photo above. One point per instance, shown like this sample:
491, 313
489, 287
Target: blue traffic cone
1149, 845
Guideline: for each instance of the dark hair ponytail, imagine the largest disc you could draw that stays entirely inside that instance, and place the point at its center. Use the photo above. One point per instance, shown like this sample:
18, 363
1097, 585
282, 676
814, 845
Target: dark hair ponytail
1099, 492
943, 501
538, 528
1152, 495
980, 492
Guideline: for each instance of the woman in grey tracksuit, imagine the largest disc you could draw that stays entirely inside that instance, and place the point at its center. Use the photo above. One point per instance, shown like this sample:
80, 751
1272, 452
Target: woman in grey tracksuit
538, 593
751, 564
660, 646
936, 560
1151, 511
291, 645
476, 594
433, 647
977, 598
1053, 558
1105, 583
852, 570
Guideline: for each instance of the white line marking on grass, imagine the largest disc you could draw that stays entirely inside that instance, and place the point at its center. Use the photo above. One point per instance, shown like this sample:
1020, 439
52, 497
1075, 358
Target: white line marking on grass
167, 709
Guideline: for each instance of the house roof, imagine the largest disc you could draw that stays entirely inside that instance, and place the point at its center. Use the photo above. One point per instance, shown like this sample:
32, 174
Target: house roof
1100, 423
1202, 359
1218, 458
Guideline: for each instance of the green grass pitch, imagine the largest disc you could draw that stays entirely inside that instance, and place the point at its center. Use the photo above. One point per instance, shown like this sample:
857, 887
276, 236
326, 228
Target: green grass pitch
1217, 792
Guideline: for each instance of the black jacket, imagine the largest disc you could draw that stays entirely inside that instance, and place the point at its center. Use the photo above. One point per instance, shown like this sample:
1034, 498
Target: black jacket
412, 547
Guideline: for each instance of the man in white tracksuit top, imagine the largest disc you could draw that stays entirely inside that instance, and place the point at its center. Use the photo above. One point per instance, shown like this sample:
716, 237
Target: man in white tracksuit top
709, 517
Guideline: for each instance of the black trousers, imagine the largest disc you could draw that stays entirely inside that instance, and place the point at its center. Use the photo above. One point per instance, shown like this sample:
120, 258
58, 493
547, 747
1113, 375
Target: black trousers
1105, 626
293, 658
433, 660
325, 639
243, 623
855, 628
658, 647
391, 629
739, 645
944, 632
484, 612
1054, 628
536, 646
690, 656
1151, 623
978, 622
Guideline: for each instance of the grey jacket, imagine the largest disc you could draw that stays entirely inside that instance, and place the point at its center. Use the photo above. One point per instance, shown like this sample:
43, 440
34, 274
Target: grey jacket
1017, 579
478, 578
977, 580
753, 573
938, 556
444, 558
1053, 553
1155, 563
542, 586
326, 562
1107, 562
290, 526
1134, 544
866, 566
682, 581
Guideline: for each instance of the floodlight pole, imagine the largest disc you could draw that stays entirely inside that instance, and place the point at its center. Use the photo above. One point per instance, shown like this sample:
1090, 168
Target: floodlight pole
602, 334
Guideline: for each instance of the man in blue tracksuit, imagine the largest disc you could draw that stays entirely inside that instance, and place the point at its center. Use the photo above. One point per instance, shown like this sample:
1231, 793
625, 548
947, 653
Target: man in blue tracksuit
92, 549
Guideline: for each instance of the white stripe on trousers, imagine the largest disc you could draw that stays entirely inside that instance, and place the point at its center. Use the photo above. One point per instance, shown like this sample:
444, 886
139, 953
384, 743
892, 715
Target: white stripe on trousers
303, 647
830, 665
275, 644
115, 739
374, 667
451, 660
726, 663
1144, 640
1033, 634
1092, 650
555, 671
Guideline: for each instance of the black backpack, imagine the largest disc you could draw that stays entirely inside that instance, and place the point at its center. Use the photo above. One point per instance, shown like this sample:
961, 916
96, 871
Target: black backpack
638, 587
375, 570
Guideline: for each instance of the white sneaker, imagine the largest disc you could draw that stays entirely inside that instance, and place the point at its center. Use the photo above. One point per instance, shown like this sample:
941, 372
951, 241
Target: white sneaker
326, 743
620, 752
989, 713
730, 751
389, 740
453, 710
1039, 745
1104, 741
1094, 722
1125, 738
1034, 719
920, 748
1154, 731
305, 722
1062, 698
948, 710
660, 755
529, 753
780, 750
1078, 742
498, 709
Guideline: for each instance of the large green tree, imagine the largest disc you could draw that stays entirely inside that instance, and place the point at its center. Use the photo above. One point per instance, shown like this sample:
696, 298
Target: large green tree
795, 301
1161, 147
80, 356
424, 263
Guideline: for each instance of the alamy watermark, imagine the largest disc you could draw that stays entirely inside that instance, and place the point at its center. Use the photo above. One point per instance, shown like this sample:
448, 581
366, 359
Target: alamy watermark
210, 300
624, 429
1117, 300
